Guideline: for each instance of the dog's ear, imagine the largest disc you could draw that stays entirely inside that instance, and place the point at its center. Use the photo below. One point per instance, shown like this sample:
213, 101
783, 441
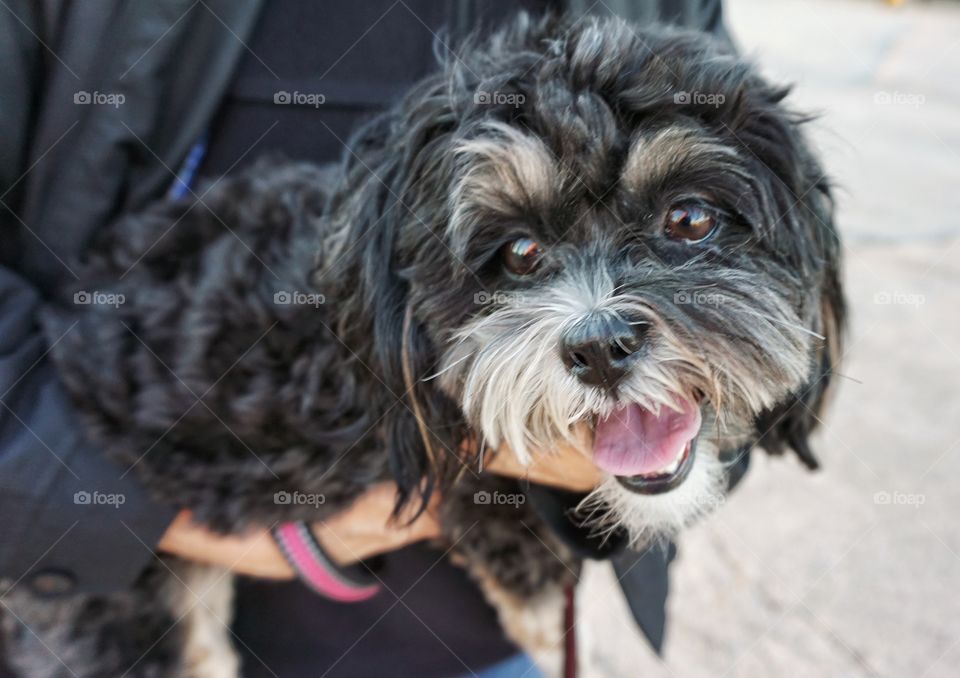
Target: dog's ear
798, 209
376, 218
790, 424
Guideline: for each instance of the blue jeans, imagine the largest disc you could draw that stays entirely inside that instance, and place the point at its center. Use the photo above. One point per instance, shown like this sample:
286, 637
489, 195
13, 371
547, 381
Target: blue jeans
515, 667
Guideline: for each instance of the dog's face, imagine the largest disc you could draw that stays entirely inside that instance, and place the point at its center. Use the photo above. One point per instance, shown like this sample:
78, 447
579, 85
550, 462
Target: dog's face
620, 241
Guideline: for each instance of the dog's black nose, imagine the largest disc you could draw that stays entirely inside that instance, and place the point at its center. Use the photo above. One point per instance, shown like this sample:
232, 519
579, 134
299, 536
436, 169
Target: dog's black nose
600, 351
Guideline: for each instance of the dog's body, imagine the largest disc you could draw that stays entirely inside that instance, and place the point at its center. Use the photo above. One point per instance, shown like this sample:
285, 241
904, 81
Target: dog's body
482, 268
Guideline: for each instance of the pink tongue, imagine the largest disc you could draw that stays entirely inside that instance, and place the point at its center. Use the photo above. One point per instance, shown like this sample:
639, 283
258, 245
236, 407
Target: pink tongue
633, 440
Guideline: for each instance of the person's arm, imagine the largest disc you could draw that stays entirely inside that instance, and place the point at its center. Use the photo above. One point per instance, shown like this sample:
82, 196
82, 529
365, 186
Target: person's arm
48, 541
73, 521
367, 527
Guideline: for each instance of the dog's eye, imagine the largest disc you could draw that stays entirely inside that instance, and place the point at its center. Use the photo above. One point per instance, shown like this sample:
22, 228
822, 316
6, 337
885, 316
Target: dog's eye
690, 222
522, 256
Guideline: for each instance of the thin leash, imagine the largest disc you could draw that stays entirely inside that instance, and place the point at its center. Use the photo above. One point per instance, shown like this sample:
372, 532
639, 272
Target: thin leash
570, 638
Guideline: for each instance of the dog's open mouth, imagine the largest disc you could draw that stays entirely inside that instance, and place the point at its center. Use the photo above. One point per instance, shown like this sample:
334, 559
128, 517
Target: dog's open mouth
648, 452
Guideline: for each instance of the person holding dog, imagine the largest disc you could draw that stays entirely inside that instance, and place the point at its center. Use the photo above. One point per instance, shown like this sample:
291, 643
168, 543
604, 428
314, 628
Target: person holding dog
206, 88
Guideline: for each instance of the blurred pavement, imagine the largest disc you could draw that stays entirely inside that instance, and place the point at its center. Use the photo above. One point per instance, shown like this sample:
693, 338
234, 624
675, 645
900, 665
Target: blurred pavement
854, 571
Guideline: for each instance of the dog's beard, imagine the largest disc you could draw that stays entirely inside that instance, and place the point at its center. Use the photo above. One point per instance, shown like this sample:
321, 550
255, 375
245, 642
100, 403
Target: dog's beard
506, 370
649, 518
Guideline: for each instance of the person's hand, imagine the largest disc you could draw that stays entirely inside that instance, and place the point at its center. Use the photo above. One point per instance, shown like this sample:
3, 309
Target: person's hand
364, 529
368, 527
563, 466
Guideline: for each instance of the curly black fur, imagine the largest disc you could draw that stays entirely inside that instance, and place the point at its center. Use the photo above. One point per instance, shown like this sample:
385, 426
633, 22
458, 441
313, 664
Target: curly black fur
218, 397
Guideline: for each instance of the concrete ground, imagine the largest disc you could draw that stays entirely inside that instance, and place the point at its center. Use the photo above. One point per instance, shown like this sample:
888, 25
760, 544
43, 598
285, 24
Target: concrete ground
854, 571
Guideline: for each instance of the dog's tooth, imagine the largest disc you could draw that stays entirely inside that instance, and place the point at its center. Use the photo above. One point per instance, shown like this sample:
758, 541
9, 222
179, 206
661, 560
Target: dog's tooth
675, 464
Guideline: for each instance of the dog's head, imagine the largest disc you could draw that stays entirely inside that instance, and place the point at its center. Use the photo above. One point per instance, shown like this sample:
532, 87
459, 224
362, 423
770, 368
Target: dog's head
602, 235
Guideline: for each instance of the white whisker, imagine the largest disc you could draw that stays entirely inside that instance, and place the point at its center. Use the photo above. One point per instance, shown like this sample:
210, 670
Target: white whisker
448, 367
792, 326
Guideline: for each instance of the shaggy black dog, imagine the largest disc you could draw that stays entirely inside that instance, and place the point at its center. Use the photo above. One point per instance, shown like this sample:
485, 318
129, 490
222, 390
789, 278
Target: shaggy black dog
579, 232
